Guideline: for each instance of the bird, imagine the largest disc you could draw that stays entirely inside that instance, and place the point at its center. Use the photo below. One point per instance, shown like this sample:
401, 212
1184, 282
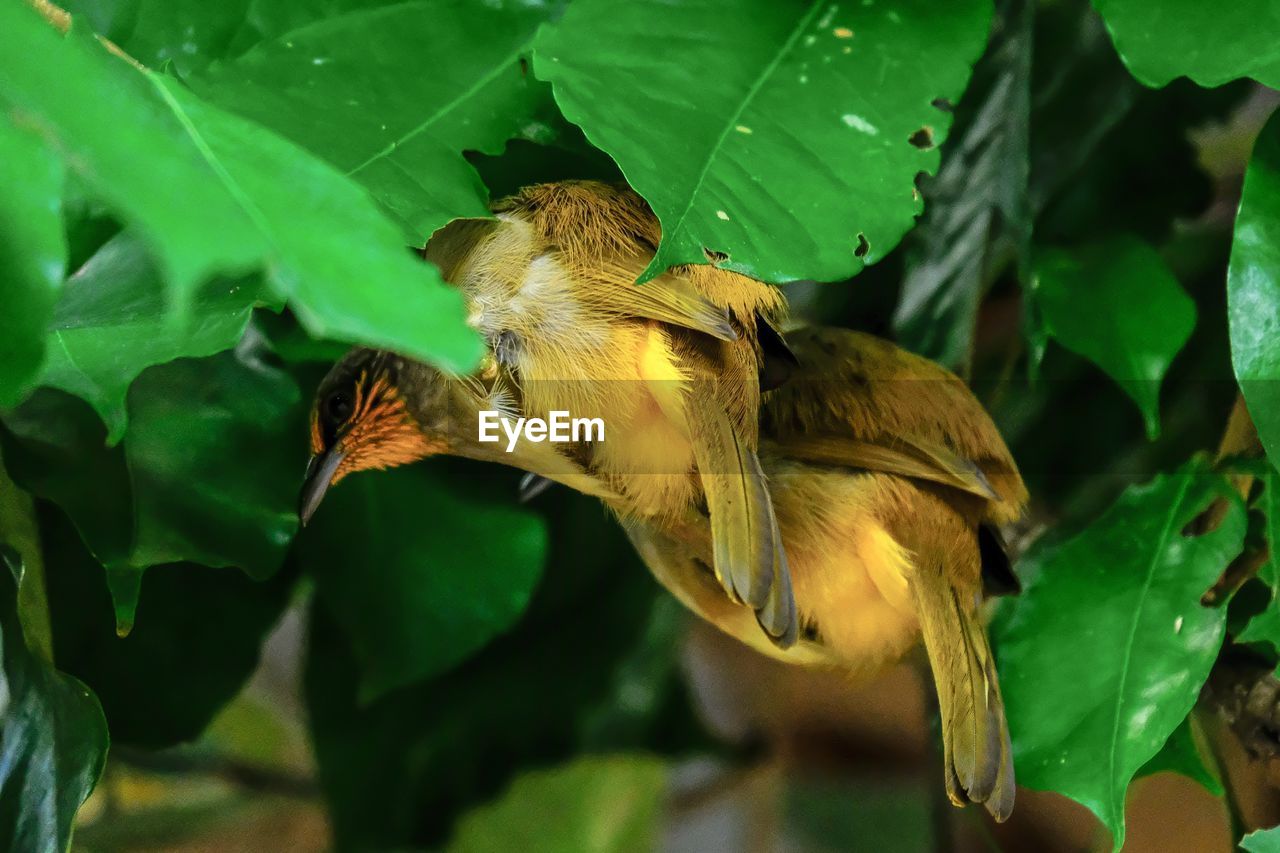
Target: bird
673, 365
823, 496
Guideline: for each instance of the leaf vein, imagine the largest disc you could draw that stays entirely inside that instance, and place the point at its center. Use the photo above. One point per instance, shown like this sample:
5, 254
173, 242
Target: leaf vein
1133, 635
734, 119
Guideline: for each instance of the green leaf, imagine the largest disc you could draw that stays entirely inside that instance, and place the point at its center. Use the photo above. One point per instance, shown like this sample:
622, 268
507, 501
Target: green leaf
208, 471
1182, 753
603, 804
776, 134
1105, 653
53, 738
221, 195
513, 706
449, 76
1253, 288
1262, 841
33, 254
1117, 304
112, 324
1210, 43
268, 19
978, 218
187, 33
197, 640
419, 575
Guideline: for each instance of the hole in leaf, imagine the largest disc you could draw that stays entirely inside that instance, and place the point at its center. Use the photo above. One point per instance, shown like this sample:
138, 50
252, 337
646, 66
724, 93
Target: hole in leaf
524, 67
863, 246
942, 104
922, 138
713, 256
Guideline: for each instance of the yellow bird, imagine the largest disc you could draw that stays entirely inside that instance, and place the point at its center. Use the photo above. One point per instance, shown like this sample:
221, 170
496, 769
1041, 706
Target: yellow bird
831, 521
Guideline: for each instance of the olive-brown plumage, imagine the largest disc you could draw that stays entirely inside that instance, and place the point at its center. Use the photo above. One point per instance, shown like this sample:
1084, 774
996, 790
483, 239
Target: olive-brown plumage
833, 521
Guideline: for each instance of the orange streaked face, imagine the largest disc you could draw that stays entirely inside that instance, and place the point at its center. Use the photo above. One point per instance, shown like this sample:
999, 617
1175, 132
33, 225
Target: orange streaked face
359, 422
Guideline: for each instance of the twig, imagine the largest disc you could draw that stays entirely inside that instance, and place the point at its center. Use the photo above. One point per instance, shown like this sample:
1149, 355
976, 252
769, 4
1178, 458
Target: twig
60, 20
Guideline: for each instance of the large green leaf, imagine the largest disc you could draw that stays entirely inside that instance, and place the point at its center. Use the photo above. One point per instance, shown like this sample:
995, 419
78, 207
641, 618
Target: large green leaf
222, 195
33, 253
1118, 305
1105, 653
1253, 288
978, 217
208, 471
187, 33
53, 738
1210, 43
775, 136
599, 804
449, 75
112, 324
420, 573
196, 642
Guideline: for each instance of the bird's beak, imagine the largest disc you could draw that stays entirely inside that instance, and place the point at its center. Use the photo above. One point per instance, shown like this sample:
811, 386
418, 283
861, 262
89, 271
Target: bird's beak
320, 471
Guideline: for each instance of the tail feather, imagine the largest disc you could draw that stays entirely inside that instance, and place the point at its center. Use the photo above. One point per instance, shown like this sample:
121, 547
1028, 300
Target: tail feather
976, 750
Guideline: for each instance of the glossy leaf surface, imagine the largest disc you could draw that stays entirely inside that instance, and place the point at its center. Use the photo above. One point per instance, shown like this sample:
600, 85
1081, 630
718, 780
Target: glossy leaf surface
33, 253
53, 738
208, 471
248, 198
781, 138
186, 33
1208, 42
1253, 289
420, 575
1117, 304
113, 323
449, 76
1104, 654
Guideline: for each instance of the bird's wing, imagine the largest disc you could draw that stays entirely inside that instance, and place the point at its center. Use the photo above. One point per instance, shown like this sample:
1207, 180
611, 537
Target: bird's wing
975, 737
905, 456
749, 559
747, 554
856, 400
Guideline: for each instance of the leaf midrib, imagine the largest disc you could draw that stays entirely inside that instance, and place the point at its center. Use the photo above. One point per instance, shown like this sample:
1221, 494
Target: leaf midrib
470, 92
1133, 634
734, 119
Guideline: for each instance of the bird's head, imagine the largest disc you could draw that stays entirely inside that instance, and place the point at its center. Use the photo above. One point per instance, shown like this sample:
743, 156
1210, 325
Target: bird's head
374, 410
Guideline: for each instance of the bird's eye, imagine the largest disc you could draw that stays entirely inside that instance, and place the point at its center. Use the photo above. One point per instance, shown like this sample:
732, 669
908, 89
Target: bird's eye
337, 407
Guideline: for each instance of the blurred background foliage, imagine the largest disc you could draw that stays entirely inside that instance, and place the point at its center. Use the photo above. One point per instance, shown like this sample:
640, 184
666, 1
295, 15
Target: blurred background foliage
188, 238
